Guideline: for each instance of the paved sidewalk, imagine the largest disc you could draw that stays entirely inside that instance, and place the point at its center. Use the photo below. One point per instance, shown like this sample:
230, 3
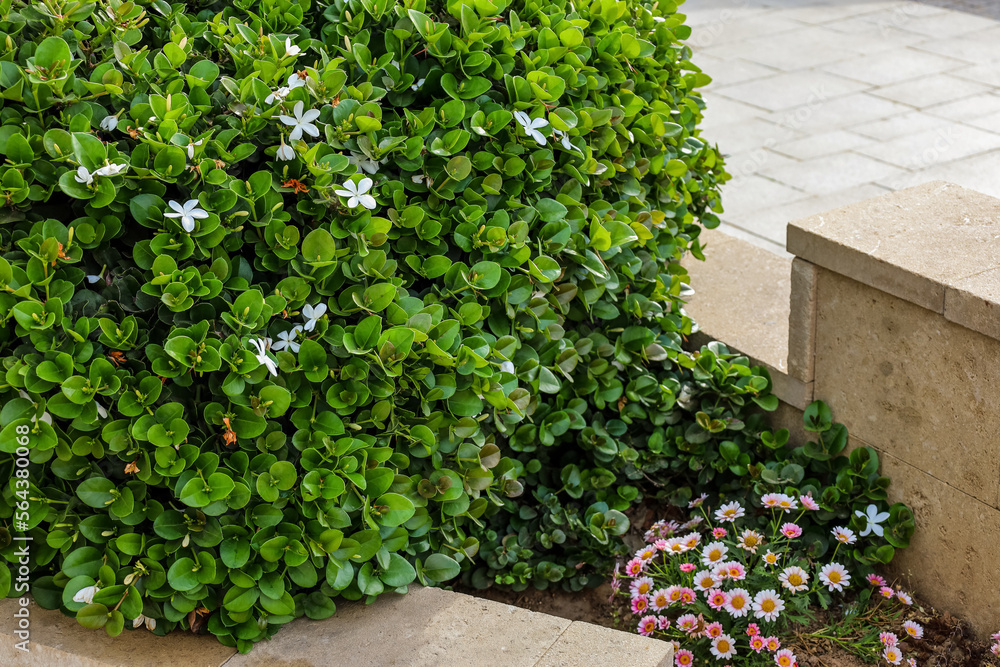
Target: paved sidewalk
821, 103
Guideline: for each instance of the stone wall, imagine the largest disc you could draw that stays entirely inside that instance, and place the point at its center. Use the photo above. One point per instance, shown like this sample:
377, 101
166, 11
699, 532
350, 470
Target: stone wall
894, 321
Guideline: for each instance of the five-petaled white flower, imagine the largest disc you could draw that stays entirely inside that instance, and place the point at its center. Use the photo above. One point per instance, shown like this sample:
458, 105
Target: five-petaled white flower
188, 213
302, 122
358, 193
312, 315
872, 518
277, 95
83, 176
191, 146
291, 49
365, 163
111, 170
285, 152
415, 87
531, 126
564, 140
109, 123
85, 594
296, 81
262, 344
288, 340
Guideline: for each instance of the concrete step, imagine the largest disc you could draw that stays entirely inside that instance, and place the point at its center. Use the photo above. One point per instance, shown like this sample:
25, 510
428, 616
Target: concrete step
424, 628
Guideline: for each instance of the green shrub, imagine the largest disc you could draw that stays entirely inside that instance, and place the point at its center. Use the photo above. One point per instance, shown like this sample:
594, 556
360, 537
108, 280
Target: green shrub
297, 297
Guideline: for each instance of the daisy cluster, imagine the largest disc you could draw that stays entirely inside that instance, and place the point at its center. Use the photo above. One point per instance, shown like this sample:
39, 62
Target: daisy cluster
721, 584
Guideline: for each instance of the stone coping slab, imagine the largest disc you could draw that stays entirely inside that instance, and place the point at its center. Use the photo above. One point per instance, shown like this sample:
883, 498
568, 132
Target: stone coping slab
426, 627
936, 245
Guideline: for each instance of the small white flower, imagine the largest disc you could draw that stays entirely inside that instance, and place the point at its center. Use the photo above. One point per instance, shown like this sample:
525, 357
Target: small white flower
285, 152
85, 594
835, 576
417, 178
191, 146
101, 412
531, 126
415, 87
296, 81
288, 340
111, 170
83, 176
844, 535
291, 49
141, 619
358, 193
730, 512
365, 163
506, 367
278, 95
659, 19
262, 344
873, 518
188, 213
302, 122
312, 315
109, 123
564, 140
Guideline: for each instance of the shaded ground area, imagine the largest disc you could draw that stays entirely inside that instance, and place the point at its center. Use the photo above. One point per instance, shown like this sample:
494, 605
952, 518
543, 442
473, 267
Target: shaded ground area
986, 8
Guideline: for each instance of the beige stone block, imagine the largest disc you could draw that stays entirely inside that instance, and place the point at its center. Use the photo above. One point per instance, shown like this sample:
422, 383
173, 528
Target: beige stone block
741, 297
427, 627
951, 561
912, 244
589, 645
913, 384
975, 303
802, 321
59, 640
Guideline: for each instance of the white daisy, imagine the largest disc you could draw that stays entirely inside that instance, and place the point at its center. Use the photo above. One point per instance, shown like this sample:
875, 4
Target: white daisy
835, 576
729, 512
794, 578
302, 122
739, 603
723, 647
705, 580
357, 193
714, 553
188, 213
845, 535
767, 605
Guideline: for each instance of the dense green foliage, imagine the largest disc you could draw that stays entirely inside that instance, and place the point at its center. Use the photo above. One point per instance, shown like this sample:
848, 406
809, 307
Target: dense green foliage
298, 298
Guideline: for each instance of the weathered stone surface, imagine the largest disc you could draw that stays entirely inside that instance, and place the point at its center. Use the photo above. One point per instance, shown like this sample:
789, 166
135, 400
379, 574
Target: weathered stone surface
802, 321
60, 640
917, 386
975, 303
913, 244
742, 297
951, 560
589, 645
427, 627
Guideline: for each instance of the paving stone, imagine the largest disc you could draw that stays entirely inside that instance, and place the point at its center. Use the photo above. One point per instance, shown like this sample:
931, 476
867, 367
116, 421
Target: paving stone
923, 150
928, 91
990, 123
754, 238
976, 48
755, 193
947, 25
824, 114
831, 173
748, 135
722, 111
977, 173
589, 645
987, 74
969, 108
730, 26
889, 67
799, 49
748, 163
790, 89
822, 14
726, 73
911, 122
60, 640
818, 145
427, 627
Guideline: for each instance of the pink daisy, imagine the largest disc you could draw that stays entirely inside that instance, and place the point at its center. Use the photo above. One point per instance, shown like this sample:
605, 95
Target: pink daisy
704, 580
772, 643
729, 512
887, 592
688, 567
646, 553
713, 630
660, 544
767, 605
641, 586
687, 596
790, 530
687, 623
635, 567
735, 571
835, 576
647, 625
892, 655
664, 623
915, 630
888, 638
875, 580
698, 501
640, 603
771, 499
808, 502
753, 630
718, 532
674, 594
659, 599
784, 658
683, 658
904, 598
757, 643
717, 599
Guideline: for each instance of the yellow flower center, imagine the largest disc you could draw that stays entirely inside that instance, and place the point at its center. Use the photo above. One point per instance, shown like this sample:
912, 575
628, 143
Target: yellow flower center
794, 580
834, 577
723, 646
767, 606
737, 602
